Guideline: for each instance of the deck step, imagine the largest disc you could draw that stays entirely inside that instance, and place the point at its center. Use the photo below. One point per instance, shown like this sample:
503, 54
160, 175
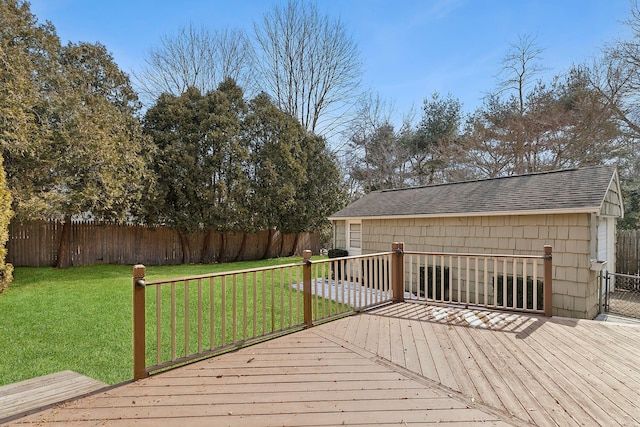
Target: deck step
30, 395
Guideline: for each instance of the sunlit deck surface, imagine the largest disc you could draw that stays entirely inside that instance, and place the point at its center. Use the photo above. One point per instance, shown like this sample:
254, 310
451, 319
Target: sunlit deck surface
402, 364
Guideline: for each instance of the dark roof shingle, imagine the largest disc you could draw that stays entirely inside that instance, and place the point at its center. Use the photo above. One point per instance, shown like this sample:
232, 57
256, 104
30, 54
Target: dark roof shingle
568, 189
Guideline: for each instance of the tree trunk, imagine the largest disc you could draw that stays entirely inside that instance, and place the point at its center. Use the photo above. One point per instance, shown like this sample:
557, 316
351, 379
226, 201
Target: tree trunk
222, 248
266, 250
186, 251
295, 244
63, 248
204, 253
242, 249
281, 244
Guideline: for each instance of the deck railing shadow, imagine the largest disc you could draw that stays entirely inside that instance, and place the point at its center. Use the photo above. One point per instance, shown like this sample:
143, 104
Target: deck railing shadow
520, 324
180, 320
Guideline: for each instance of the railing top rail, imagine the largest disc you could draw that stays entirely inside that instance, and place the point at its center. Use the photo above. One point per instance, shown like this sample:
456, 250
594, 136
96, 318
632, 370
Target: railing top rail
222, 273
462, 254
351, 257
630, 276
257, 269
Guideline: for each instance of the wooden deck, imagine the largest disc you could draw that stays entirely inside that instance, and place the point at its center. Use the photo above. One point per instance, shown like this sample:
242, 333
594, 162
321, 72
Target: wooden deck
402, 364
27, 396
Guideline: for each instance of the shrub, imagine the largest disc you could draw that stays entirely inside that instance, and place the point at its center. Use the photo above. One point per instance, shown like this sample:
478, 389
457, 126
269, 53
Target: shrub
438, 283
337, 253
519, 293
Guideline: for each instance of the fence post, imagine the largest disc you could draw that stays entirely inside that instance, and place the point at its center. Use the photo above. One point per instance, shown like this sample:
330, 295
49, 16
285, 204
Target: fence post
548, 281
306, 279
397, 279
139, 368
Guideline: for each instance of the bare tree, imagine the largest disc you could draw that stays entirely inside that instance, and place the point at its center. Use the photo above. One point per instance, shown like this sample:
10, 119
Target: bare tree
375, 158
195, 57
528, 125
520, 68
616, 78
309, 64
566, 124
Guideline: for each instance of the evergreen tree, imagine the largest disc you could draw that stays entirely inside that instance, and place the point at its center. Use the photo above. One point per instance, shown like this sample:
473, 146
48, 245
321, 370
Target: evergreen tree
276, 169
6, 270
28, 60
436, 140
70, 139
323, 192
199, 161
98, 151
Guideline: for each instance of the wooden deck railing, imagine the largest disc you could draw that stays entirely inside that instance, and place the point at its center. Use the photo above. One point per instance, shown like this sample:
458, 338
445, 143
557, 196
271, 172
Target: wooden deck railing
343, 285
505, 282
183, 319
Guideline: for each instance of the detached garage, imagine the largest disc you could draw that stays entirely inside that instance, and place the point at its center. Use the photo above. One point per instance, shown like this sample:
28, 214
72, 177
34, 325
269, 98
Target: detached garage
573, 210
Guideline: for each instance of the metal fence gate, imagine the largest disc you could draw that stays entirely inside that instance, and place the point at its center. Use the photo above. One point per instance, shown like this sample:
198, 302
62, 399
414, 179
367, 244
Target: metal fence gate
622, 294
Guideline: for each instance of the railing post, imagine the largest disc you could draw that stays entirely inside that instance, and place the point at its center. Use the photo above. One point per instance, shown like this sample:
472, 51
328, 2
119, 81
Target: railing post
306, 280
548, 281
397, 279
139, 368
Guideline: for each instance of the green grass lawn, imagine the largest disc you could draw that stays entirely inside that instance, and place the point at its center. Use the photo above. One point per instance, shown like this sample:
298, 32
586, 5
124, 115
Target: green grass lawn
79, 319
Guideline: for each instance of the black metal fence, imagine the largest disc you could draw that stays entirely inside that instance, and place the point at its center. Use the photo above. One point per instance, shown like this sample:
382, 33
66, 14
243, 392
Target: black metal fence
622, 294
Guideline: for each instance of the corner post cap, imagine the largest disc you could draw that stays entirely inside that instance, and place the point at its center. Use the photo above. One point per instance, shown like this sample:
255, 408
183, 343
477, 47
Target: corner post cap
397, 246
139, 271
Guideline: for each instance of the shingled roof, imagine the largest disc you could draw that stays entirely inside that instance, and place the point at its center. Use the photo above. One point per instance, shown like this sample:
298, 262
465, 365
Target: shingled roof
567, 190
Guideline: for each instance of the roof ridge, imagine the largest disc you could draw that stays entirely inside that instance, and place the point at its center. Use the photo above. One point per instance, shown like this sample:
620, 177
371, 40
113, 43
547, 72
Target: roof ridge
495, 178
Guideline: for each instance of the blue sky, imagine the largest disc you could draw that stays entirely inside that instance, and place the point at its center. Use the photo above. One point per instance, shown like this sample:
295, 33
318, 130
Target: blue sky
409, 48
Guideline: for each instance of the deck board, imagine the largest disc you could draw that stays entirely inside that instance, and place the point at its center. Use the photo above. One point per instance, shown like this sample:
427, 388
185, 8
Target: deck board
25, 396
395, 342
411, 359
623, 380
509, 370
400, 364
545, 376
445, 375
451, 362
486, 379
557, 372
373, 331
540, 385
384, 343
579, 381
591, 369
544, 408
300, 379
425, 357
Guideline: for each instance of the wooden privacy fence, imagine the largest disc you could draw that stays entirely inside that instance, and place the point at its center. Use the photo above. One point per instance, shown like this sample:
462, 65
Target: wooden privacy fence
36, 244
628, 252
184, 319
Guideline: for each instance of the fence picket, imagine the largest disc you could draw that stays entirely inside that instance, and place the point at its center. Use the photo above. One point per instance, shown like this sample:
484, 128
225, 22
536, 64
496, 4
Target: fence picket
628, 252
